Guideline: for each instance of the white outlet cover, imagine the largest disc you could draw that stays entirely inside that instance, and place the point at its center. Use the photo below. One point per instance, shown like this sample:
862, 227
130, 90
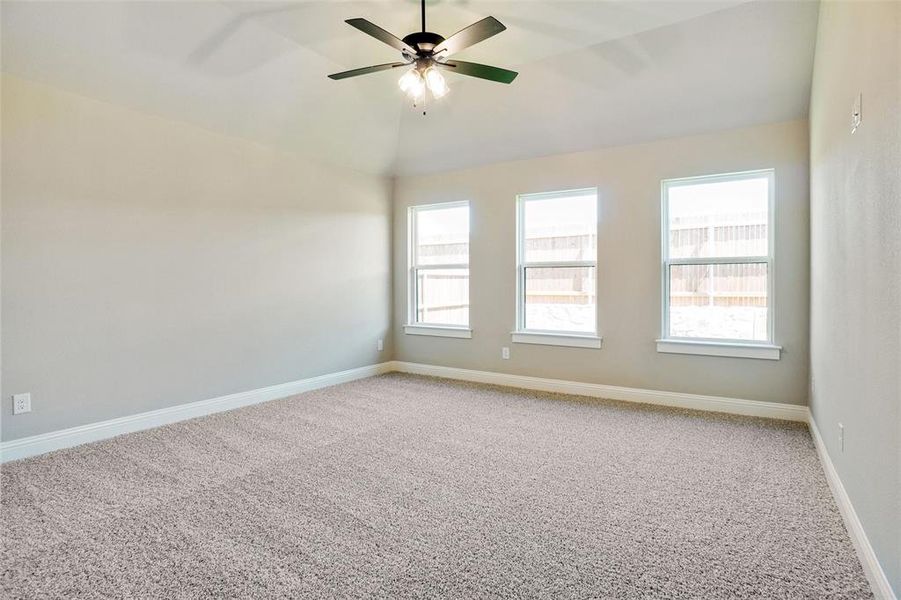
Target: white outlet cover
856, 115
21, 403
505, 353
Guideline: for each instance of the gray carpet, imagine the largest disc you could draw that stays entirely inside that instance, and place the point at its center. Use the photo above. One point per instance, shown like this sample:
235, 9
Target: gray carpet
402, 486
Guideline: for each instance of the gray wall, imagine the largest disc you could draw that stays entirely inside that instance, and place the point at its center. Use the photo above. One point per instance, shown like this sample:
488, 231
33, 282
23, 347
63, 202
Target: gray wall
628, 181
147, 263
856, 261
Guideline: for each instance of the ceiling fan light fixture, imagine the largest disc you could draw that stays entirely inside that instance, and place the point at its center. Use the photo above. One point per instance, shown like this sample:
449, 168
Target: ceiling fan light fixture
435, 80
412, 84
427, 52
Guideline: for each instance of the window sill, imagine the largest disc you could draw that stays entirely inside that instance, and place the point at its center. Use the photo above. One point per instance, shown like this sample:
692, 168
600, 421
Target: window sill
438, 331
557, 339
732, 349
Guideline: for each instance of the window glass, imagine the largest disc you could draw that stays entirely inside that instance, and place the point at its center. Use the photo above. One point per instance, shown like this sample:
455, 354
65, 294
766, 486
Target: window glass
442, 236
560, 299
560, 228
439, 273
557, 239
716, 257
442, 296
727, 301
719, 219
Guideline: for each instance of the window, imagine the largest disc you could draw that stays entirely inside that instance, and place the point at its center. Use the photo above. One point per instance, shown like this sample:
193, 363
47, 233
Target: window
718, 265
439, 270
557, 268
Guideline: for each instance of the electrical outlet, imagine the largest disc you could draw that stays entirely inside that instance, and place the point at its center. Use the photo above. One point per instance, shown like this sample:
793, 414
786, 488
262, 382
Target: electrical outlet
381, 345
21, 403
841, 437
505, 353
856, 115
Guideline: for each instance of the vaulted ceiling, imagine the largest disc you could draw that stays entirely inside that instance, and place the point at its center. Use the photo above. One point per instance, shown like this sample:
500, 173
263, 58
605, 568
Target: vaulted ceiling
592, 73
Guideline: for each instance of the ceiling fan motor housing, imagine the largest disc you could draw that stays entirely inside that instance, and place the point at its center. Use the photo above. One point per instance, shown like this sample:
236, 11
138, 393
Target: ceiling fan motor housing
424, 42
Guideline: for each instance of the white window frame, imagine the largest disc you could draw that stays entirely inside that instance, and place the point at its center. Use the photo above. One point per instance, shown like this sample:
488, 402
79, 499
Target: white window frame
412, 327
739, 348
522, 335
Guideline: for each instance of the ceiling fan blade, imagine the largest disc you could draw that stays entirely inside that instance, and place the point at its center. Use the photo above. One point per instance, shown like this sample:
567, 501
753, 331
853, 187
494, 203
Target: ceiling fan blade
480, 71
366, 70
475, 33
370, 28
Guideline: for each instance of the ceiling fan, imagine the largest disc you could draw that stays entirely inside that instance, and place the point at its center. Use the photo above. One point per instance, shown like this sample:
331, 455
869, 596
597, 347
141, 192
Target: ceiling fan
428, 53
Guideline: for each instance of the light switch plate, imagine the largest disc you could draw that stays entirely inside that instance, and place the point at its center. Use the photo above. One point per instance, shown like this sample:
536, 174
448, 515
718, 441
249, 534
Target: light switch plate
856, 113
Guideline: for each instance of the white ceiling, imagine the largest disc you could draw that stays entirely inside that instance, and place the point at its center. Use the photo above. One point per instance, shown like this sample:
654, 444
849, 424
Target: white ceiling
592, 73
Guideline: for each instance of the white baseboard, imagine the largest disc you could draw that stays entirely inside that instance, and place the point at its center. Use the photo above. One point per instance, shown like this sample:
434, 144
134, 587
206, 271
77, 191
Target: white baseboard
66, 438
878, 580
92, 432
753, 408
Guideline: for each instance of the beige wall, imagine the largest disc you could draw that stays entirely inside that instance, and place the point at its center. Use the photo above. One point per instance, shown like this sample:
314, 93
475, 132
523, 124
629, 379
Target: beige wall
148, 263
856, 261
628, 181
